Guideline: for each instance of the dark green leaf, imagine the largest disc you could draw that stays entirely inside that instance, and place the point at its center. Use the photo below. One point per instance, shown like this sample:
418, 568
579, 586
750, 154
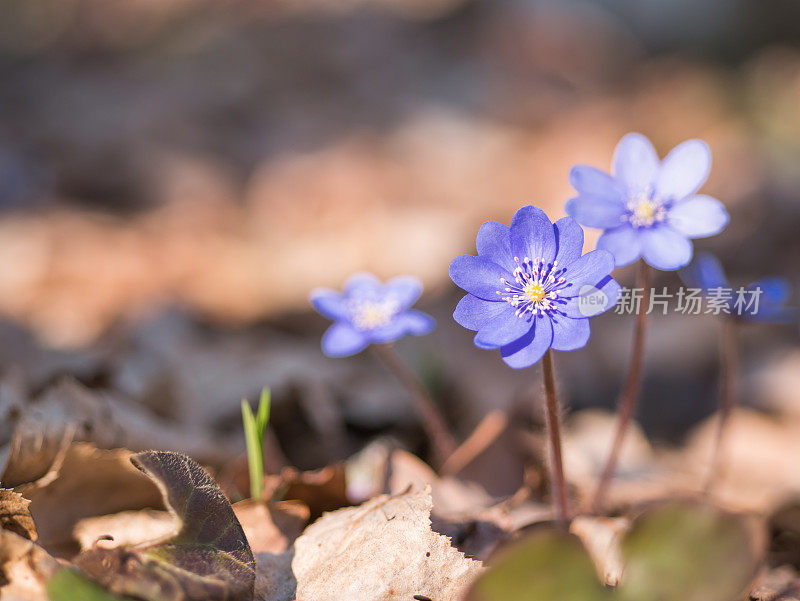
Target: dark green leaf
684, 551
547, 566
208, 559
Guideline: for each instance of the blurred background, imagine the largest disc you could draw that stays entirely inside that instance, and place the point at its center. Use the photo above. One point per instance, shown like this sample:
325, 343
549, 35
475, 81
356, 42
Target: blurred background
175, 177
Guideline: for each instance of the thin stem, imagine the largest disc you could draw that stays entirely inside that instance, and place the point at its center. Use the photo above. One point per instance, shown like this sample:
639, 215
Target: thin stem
729, 359
631, 388
558, 482
432, 421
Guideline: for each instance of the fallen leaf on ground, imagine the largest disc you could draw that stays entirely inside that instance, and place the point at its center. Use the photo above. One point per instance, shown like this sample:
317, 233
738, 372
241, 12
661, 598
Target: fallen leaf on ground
780, 584
271, 527
124, 528
90, 482
208, 559
321, 490
15, 515
601, 536
382, 550
25, 568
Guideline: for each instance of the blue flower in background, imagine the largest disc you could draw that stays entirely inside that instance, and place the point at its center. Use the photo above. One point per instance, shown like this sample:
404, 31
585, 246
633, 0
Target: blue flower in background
368, 312
529, 288
770, 293
648, 208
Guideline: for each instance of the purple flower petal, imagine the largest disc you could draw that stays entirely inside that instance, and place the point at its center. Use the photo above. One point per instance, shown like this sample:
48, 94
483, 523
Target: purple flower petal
532, 235
342, 340
570, 334
774, 290
623, 243
569, 240
503, 328
684, 170
592, 211
531, 347
698, 216
405, 289
361, 282
590, 303
416, 322
472, 312
588, 270
408, 322
635, 162
329, 303
494, 243
704, 272
664, 248
594, 183
479, 276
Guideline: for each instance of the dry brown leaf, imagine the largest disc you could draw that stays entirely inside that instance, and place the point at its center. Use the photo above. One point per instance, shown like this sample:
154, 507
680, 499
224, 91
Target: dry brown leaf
124, 528
271, 527
321, 490
780, 584
207, 559
90, 482
25, 568
15, 514
759, 467
382, 550
601, 537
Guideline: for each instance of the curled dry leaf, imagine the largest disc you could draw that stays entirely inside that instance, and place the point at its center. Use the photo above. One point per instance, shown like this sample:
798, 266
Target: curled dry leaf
89, 482
382, 550
601, 536
25, 568
124, 528
271, 527
208, 559
15, 515
321, 490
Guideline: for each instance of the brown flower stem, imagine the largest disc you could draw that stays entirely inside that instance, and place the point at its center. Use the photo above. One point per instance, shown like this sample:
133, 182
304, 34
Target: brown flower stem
557, 480
630, 391
432, 421
729, 360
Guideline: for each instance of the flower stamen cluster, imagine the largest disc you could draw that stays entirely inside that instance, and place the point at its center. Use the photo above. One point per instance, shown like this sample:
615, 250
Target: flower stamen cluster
644, 211
369, 314
535, 287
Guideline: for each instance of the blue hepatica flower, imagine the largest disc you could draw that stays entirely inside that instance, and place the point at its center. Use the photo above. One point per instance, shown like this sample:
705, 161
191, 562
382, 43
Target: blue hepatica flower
529, 288
370, 312
648, 208
764, 300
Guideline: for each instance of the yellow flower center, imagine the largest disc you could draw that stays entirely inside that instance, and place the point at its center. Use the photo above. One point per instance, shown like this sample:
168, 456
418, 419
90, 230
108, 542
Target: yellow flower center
534, 292
372, 315
645, 212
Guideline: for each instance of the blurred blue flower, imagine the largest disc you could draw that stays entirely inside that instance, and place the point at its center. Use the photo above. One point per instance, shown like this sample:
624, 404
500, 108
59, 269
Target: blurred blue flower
368, 312
529, 288
648, 208
764, 300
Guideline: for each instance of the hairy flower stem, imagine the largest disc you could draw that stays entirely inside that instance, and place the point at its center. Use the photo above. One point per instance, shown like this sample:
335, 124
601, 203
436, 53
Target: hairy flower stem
630, 391
729, 360
432, 421
557, 481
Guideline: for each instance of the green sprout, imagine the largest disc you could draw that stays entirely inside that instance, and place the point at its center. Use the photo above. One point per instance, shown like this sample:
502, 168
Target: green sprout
254, 428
